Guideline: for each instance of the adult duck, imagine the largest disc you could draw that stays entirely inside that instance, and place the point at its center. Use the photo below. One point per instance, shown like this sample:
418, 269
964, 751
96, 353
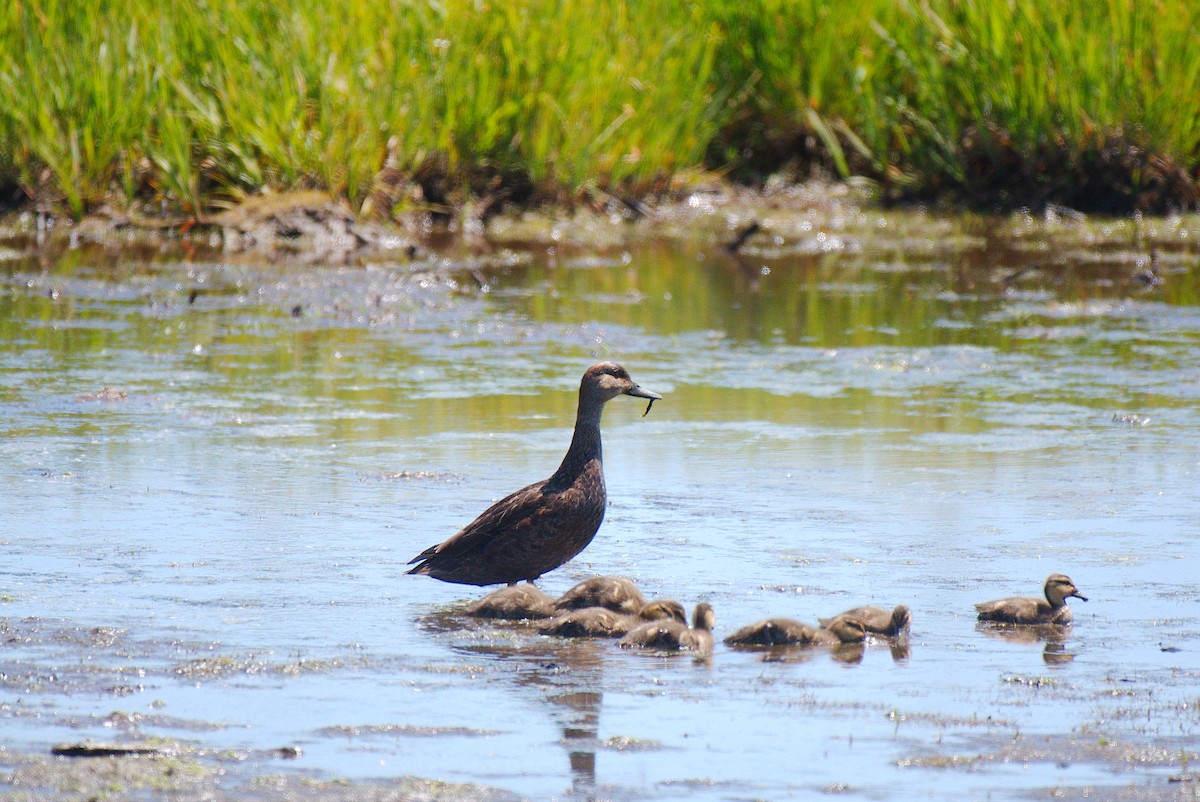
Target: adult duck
540, 527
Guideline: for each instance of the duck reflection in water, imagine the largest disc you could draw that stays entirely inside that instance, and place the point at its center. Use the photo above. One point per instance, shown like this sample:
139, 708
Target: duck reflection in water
1054, 636
560, 676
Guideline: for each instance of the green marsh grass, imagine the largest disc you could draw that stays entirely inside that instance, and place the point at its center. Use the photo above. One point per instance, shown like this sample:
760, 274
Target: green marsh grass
993, 101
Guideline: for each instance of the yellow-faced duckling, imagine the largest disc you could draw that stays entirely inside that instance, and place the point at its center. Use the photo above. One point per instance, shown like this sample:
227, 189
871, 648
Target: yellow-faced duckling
877, 620
671, 635
789, 632
1029, 610
615, 593
514, 603
600, 622
539, 527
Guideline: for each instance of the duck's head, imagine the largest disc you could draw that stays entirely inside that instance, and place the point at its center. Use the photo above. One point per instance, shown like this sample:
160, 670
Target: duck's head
703, 617
605, 381
663, 609
1060, 587
901, 618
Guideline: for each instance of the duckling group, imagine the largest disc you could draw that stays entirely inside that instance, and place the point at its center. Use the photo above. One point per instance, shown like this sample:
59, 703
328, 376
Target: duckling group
613, 607
543, 525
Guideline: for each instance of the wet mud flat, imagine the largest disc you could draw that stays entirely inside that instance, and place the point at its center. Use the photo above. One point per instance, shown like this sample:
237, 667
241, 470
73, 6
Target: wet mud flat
216, 468
153, 754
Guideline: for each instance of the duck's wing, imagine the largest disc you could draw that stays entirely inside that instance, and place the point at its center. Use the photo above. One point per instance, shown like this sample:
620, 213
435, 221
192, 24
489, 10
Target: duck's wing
520, 508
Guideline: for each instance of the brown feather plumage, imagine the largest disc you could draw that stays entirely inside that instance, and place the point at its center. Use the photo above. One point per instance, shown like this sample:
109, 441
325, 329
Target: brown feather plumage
543, 525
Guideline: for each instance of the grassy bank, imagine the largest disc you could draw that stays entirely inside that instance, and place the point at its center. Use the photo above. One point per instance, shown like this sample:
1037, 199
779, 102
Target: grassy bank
395, 105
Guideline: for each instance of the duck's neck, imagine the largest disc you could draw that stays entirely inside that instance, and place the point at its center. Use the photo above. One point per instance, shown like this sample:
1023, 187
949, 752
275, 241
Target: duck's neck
585, 445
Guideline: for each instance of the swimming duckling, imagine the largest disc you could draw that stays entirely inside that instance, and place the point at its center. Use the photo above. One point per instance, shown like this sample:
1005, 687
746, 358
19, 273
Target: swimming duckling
1029, 610
663, 610
588, 622
539, 527
600, 622
513, 603
789, 632
613, 592
878, 620
671, 635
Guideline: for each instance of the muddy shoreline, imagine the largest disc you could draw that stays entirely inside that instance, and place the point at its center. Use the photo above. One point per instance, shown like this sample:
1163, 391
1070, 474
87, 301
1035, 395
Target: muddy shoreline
312, 227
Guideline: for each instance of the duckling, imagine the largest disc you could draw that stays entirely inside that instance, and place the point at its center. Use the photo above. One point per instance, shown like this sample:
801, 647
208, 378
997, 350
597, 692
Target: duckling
600, 622
1029, 610
588, 622
789, 632
663, 610
877, 620
539, 527
613, 592
513, 603
671, 635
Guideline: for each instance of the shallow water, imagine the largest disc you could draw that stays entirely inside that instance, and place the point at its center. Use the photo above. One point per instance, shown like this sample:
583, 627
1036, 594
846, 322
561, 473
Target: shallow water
857, 408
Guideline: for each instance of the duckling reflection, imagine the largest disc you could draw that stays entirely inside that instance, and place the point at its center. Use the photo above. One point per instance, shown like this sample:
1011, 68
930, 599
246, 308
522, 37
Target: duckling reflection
900, 647
894, 624
1053, 635
848, 653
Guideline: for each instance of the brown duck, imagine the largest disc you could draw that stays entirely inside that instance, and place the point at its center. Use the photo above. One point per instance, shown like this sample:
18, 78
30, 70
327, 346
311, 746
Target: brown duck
539, 527
789, 632
672, 635
601, 622
615, 593
514, 603
1029, 610
877, 620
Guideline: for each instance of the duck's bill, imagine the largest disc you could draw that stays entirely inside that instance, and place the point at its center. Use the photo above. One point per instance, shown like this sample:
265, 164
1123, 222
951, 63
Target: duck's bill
1079, 596
642, 392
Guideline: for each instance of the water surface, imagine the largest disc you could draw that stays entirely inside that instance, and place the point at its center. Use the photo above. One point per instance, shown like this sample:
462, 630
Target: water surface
857, 408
